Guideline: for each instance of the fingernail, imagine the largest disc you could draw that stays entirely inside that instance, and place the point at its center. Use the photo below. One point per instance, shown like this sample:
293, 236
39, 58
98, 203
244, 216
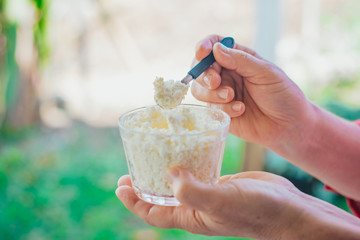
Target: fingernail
207, 81
223, 47
117, 190
224, 93
237, 107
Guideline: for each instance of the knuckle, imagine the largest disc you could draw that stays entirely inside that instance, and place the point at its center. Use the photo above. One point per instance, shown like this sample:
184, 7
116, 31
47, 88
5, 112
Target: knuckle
269, 66
149, 221
160, 222
251, 52
211, 36
211, 72
243, 56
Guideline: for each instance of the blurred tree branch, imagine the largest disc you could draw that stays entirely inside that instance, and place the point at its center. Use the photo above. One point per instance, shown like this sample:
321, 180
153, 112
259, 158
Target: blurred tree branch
8, 66
40, 29
22, 50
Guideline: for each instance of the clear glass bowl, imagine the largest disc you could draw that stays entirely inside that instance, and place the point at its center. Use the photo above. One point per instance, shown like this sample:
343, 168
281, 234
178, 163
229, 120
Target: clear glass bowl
149, 155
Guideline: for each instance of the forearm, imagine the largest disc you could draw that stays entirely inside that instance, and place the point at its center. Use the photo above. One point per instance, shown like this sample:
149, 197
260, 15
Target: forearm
327, 147
321, 220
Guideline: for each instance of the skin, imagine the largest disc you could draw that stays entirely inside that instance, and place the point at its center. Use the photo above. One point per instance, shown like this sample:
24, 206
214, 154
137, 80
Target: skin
266, 107
275, 113
257, 205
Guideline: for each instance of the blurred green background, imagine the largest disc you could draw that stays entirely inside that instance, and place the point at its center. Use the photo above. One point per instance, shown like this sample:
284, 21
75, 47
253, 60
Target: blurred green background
60, 156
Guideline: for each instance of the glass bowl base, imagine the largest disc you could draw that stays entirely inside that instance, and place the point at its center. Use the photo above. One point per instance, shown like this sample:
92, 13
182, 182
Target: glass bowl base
158, 200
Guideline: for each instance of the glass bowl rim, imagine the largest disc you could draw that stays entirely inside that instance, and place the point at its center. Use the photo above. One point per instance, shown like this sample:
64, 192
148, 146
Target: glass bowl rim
222, 127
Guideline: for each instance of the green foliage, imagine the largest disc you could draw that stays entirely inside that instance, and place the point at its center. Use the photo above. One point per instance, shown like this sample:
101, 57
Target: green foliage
9, 72
344, 111
59, 184
232, 161
40, 29
341, 90
302, 180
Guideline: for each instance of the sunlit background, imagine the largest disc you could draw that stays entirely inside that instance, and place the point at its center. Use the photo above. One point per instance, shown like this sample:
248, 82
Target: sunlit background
69, 69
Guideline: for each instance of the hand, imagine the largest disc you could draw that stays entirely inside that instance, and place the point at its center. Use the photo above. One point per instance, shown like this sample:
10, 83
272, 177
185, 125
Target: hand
276, 109
242, 205
279, 116
250, 204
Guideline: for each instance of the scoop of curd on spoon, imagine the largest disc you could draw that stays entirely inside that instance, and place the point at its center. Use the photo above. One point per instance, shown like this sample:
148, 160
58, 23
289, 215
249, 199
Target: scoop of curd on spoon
169, 94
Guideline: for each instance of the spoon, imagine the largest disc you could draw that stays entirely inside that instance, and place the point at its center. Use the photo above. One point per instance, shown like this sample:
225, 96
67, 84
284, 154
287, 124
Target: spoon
206, 62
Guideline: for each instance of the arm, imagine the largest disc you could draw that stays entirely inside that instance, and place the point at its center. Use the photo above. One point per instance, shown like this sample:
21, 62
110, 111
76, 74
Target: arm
328, 147
321, 220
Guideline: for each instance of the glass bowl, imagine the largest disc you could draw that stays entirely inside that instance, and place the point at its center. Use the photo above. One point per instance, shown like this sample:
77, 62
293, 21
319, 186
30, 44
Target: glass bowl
150, 151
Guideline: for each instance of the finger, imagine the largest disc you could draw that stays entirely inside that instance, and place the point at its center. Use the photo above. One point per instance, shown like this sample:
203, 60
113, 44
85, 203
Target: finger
136, 205
247, 50
222, 94
132, 202
228, 81
209, 79
124, 180
267, 177
233, 109
193, 193
242, 62
264, 176
225, 178
155, 215
214, 66
204, 47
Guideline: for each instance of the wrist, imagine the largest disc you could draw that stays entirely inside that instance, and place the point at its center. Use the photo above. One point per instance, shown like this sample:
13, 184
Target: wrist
297, 135
324, 140
305, 144
321, 220
287, 219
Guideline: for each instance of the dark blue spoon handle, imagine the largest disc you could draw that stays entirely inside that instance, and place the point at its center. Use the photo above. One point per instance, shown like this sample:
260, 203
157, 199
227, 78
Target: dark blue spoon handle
209, 59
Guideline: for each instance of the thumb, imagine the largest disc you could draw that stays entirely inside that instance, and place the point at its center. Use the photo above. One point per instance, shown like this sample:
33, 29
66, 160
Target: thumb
240, 61
193, 193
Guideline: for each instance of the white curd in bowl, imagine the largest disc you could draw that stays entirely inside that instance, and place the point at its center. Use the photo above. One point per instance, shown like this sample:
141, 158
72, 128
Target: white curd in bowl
157, 139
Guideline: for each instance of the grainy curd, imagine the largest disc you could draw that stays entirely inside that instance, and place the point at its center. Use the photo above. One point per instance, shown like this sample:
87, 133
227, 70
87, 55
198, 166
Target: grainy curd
169, 94
157, 139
